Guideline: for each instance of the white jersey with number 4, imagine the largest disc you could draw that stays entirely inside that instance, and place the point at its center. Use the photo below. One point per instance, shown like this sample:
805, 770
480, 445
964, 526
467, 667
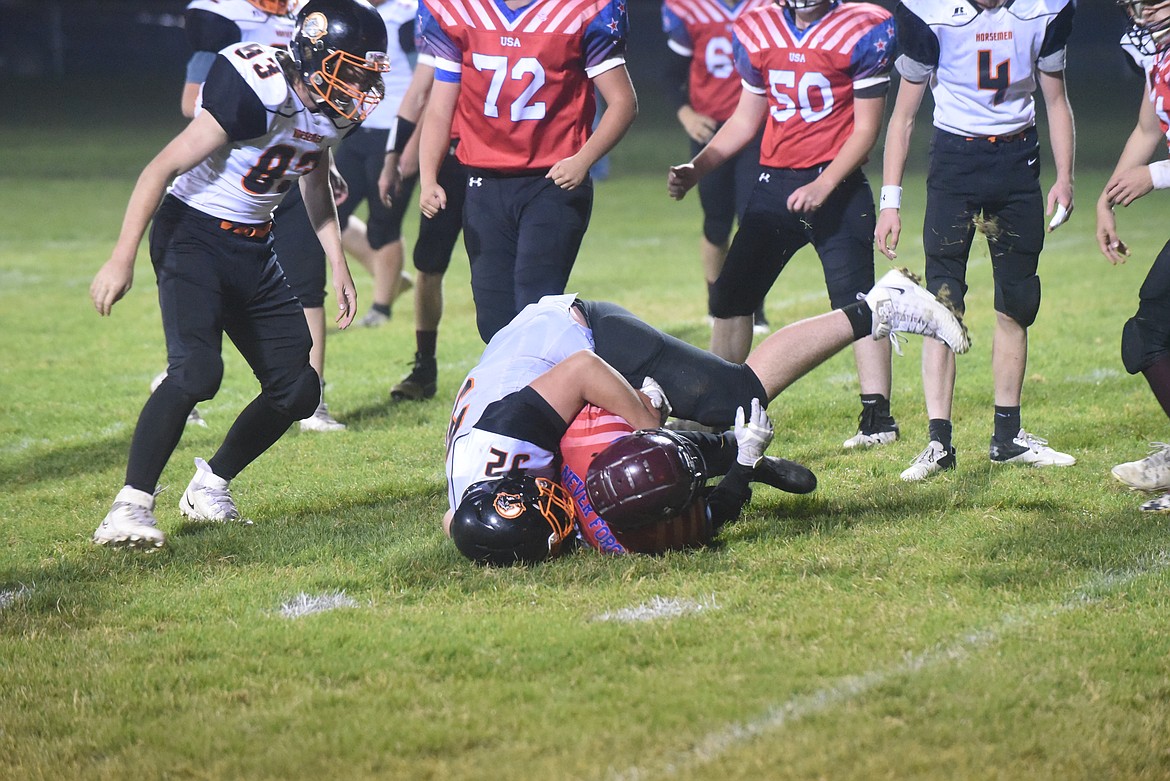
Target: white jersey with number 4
982, 63
273, 138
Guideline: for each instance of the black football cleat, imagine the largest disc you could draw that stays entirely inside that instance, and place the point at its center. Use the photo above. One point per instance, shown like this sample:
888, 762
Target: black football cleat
786, 475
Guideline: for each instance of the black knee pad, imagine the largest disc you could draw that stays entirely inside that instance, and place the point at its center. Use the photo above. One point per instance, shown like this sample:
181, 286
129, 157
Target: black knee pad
722, 304
298, 399
198, 375
1142, 345
1019, 299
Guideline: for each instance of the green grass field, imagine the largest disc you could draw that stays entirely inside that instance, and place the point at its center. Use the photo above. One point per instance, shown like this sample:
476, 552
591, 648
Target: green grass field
998, 623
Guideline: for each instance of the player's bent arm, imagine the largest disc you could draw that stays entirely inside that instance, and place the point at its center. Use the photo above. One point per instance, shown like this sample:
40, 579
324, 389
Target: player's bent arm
433, 145
868, 114
737, 132
1131, 177
198, 140
585, 378
187, 101
1062, 137
319, 205
621, 108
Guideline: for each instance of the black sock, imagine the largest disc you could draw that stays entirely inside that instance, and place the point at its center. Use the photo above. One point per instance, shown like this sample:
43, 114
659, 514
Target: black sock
160, 425
1007, 423
256, 429
940, 431
382, 309
427, 342
878, 403
861, 318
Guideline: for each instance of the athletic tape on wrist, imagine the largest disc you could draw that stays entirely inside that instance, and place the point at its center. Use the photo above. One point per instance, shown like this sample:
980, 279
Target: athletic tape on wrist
1160, 174
891, 197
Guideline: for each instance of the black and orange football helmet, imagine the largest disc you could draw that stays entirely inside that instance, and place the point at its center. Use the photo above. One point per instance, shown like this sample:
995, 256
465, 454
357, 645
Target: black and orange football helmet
517, 519
339, 47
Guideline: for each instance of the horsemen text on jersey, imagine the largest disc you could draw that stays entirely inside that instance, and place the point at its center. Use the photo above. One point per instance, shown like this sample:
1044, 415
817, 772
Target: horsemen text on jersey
811, 77
248, 95
526, 101
702, 31
982, 63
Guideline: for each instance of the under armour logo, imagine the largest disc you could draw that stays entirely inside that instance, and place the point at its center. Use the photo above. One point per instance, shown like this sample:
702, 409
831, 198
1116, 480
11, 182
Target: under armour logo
475, 181
765, 177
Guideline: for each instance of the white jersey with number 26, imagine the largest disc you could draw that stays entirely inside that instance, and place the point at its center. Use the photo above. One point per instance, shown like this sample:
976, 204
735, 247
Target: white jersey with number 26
982, 63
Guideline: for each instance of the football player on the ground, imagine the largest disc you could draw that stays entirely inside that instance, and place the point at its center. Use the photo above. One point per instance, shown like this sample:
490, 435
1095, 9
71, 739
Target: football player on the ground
1145, 339
269, 119
982, 60
644, 491
211, 26
815, 74
562, 353
701, 85
520, 77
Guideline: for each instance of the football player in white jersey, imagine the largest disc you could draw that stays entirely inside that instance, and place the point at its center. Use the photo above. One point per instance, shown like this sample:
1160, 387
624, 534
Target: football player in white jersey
1145, 339
269, 119
561, 353
212, 25
982, 61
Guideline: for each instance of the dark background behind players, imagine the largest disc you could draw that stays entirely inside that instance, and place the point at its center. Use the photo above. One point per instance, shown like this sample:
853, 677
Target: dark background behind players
120, 44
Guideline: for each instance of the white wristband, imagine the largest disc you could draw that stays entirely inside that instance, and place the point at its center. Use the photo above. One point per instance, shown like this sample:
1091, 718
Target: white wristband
1160, 174
891, 197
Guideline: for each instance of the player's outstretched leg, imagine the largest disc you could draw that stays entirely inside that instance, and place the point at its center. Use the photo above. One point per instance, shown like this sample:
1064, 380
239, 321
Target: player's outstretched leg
901, 305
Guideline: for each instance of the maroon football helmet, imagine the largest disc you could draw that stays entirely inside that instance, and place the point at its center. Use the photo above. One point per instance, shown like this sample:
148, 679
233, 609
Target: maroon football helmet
643, 477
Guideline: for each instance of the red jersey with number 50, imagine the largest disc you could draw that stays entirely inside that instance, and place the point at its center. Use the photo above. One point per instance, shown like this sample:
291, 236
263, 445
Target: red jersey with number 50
701, 30
810, 76
526, 99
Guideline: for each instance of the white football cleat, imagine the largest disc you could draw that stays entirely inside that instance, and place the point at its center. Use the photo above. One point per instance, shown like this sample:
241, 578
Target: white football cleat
935, 458
863, 440
1151, 473
130, 523
1029, 450
208, 498
322, 421
901, 305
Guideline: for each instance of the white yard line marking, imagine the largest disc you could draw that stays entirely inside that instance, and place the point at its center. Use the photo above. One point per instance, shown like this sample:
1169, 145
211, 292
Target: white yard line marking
716, 744
659, 607
306, 604
10, 596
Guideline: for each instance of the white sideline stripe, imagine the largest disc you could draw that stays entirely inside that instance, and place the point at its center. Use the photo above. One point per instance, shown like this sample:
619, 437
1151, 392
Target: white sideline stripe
306, 604
10, 596
658, 607
715, 744
28, 443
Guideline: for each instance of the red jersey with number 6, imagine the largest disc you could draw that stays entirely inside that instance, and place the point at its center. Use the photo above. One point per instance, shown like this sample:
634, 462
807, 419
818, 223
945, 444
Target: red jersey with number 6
526, 100
811, 76
701, 30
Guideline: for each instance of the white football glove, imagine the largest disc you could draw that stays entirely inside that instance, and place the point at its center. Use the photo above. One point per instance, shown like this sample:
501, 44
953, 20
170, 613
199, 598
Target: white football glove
752, 436
657, 397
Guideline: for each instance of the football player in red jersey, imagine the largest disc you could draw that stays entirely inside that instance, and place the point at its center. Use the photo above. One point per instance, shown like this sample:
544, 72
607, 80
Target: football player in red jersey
268, 122
702, 87
815, 73
520, 77
1145, 339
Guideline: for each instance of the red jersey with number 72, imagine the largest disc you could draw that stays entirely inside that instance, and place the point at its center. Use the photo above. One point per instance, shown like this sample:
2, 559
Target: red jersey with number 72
811, 76
526, 99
